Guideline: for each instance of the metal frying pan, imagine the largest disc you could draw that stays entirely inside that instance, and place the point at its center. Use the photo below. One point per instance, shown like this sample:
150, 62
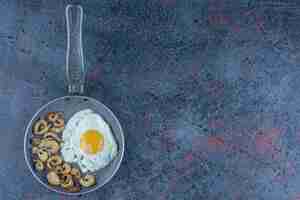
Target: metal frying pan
75, 102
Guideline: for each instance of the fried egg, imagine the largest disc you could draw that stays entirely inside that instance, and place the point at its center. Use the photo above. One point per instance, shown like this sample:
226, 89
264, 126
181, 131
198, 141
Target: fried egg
88, 141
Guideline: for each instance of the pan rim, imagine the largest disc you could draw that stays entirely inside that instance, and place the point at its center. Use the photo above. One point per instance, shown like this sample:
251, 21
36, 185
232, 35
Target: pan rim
30, 167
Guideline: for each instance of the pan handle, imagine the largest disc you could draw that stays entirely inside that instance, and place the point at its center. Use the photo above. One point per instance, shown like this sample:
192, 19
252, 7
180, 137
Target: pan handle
75, 70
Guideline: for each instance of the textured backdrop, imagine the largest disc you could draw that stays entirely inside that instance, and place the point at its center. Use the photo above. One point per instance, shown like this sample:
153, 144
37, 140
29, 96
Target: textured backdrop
207, 93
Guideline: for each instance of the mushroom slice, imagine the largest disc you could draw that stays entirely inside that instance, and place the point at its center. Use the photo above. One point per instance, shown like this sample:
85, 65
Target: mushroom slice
40, 127
42, 154
50, 145
67, 181
88, 180
66, 168
54, 161
51, 135
39, 165
52, 116
53, 178
58, 170
60, 122
76, 173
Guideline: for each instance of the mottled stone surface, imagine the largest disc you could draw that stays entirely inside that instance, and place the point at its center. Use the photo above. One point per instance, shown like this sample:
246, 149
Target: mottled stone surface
207, 93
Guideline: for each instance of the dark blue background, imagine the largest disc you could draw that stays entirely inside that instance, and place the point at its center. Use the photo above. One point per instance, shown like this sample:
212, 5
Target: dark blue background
208, 93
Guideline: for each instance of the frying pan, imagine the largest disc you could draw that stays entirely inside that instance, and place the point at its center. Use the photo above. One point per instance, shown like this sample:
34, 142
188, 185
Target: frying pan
74, 102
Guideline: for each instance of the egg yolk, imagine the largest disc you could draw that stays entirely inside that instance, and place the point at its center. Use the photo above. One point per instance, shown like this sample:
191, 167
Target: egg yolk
91, 142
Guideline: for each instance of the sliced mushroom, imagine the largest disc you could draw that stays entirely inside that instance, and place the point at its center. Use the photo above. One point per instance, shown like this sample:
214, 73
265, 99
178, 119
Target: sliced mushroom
57, 129
35, 141
58, 170
66, 168
88, 180
42, 154
51, 135
40, 127
52, 116
67, 181
50, 145
53, 178
60, 122
54, 161
39, 165
76, 173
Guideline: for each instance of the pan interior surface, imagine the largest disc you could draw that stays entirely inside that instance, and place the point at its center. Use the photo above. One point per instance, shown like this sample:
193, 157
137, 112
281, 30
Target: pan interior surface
69, 105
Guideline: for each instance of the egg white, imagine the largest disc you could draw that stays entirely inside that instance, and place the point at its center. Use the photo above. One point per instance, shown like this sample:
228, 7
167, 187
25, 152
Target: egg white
78, 124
